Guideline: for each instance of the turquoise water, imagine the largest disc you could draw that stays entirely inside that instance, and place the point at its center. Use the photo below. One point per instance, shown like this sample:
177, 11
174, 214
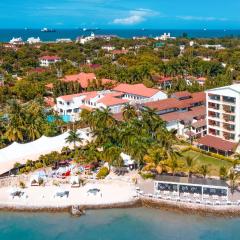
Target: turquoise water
118, 224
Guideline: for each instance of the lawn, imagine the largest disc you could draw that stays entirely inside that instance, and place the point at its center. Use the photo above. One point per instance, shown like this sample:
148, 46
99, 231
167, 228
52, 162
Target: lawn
214, 163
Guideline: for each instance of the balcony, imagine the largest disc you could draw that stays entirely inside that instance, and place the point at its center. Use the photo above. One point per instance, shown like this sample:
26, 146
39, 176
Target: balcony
229, 99
228, 118
229, 127
228, 109
214, 97
213, 123
213, 114
214, 106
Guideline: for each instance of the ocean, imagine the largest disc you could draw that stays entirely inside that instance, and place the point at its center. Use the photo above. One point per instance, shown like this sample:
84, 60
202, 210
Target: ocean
7, 34
117, 224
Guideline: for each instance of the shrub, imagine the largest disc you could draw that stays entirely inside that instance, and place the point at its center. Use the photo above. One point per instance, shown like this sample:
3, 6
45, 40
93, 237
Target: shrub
17, 165
103, 172
38, 165
147, 175
22, 184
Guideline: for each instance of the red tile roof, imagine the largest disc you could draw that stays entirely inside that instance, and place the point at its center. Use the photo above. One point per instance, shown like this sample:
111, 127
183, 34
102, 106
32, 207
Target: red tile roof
123, 51
199, 123
217, 143
164, 104
181, 94
196, 112
111, 101
85, 78
50, 58
118, 116
162, 79
136, 89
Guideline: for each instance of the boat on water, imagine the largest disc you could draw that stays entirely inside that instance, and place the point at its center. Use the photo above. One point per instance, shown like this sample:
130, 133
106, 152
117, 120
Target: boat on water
90, 29
48, 30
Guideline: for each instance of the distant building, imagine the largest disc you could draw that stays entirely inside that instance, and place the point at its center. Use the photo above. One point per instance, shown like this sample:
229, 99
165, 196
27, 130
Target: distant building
216, 46
84, 39
85, 79
33, 40
46, 61
16, 41
164, 37
108, 48
63, 40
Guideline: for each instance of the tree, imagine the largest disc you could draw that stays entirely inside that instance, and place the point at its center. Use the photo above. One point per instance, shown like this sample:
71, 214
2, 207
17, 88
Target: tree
73, 137
129, 112
190, 164
204, 170
223, 173
233, 177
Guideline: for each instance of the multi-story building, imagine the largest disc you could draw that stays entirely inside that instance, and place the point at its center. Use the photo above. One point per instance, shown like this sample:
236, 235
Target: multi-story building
223, 119
184, 112
45, 61
69, 106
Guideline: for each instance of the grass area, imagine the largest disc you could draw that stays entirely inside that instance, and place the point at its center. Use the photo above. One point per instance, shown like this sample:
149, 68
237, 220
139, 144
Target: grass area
214, 163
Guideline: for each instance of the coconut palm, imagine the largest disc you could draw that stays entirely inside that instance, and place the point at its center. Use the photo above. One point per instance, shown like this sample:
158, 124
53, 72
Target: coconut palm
204, 170
223, 173
190, 164
129, 112
233, 177
73, 137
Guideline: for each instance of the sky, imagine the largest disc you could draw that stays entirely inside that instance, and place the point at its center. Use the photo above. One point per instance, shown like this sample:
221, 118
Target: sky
111, 14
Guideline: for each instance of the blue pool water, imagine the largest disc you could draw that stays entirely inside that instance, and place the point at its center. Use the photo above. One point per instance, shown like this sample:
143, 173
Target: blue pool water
122, 224
65, 118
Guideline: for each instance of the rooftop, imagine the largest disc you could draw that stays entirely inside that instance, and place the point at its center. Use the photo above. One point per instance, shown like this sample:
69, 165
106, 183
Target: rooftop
194, 181
85, 78
50, 58
136, 89
163, 104
217, 143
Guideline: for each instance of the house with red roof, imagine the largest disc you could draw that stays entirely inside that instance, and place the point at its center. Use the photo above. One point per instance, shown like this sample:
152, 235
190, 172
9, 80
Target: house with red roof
114, 99
72, 105
183, 112
46, 61
139, 93
85, 79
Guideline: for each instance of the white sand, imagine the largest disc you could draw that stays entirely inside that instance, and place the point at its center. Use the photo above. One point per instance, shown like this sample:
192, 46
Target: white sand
111, 192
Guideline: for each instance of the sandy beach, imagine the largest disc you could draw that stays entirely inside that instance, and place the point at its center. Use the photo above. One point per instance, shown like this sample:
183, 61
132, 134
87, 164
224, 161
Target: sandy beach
111, 192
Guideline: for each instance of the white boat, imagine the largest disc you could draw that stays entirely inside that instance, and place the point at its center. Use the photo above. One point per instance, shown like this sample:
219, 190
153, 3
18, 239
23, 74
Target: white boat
48, 30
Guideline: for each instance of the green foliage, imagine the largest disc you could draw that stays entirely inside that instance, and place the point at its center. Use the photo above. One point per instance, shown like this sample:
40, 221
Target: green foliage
103, 172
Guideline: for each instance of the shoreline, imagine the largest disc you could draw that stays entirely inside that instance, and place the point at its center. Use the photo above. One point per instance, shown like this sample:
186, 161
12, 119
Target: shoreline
227, 211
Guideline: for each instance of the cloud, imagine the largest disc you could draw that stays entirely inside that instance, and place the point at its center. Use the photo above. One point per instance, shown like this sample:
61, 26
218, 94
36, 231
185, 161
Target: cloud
198, 18
135, 16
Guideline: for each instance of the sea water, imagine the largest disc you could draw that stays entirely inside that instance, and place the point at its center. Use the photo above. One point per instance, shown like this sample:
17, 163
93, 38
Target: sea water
7, 34
117, 224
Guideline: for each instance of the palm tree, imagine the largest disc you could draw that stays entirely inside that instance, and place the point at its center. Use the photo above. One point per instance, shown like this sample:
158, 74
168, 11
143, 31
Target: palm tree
73, 137
223, 173
155, 155
129, 112
233, 177
190, 164
204, 170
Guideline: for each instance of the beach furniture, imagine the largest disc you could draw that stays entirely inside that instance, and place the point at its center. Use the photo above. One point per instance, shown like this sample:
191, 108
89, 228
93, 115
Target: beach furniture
75, 181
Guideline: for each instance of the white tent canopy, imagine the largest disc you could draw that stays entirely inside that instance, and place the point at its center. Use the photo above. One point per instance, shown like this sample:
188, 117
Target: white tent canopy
20, 153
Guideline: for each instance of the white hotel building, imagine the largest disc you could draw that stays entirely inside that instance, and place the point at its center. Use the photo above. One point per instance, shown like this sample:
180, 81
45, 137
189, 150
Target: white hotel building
70, 106
223, 119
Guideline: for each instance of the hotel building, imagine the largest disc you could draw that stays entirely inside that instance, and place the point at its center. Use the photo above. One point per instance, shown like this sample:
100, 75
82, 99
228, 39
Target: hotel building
223, 119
